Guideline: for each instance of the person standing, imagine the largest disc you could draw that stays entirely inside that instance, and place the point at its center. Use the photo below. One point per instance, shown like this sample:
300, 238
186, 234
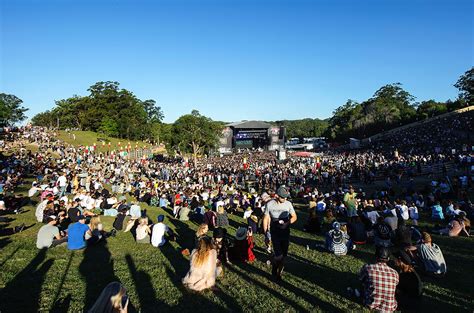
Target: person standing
278, 216
350, 202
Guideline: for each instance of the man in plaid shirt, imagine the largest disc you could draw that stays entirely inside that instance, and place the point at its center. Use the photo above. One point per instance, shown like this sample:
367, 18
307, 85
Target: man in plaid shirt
379, 282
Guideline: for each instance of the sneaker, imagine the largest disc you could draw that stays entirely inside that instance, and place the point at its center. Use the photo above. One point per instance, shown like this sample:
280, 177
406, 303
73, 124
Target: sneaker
19, 229
269, 263
357, 293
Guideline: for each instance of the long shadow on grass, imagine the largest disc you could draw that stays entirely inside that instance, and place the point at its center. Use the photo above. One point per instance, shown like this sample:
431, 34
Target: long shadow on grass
97, 269
191, 301
270, 288
144, 287
26, 286
185, 239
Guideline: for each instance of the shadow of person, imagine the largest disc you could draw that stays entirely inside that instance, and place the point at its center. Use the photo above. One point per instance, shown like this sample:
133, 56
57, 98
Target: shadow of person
97, 269
4, 242
191, 301
26, 285
144, 287
62, 305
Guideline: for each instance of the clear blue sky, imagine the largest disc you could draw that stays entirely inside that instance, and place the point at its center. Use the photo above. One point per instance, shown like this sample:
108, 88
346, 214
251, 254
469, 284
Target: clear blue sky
235, 60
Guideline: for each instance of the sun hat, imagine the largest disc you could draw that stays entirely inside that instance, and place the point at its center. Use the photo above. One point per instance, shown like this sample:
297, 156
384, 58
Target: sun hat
241, 233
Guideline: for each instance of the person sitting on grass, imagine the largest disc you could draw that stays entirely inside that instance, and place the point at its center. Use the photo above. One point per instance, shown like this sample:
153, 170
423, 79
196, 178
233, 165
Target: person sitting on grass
143, 231
49, 235
76, 234
96, 231
379, 283
242, 251
113, 299
437, 212
203, 270
431, 257
222, 219
221, 243
200, 232
337, 241
160, 230
382, 233
410, 287
456, 227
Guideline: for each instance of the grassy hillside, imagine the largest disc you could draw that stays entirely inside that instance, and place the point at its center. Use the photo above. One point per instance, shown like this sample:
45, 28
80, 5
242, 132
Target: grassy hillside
88, 138
60, 280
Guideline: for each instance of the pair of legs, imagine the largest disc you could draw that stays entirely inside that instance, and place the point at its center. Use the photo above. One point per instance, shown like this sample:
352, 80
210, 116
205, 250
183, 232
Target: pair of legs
280, 249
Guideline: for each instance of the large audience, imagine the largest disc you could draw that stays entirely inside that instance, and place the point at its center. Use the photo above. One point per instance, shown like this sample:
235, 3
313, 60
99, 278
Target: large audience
352, 198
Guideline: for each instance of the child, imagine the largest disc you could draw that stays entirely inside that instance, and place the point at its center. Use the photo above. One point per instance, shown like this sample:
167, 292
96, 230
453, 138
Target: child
243, 245
221, 243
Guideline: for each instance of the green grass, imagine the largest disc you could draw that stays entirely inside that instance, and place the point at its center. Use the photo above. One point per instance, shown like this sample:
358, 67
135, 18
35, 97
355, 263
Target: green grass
88, 138
60, 280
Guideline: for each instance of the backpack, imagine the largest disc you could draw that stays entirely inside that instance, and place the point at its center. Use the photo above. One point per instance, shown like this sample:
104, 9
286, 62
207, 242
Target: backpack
337, 237
384, 231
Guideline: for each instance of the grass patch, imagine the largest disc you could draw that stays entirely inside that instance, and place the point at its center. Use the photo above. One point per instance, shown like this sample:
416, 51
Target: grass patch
88, 138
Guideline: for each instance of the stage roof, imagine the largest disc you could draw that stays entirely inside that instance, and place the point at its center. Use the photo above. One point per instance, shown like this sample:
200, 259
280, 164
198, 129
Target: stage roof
249, 124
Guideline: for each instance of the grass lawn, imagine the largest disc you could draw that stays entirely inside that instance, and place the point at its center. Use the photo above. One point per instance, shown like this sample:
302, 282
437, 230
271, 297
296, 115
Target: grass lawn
88, 138
60, 280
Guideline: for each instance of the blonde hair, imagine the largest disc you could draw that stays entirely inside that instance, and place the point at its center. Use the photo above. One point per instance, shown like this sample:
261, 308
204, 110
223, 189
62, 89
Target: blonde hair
426, 237
110, 299
94, 223
220, 210
202, 230
201, 253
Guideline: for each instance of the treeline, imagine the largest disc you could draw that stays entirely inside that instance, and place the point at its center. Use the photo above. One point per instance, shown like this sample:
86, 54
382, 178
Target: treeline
304, 128
109, 110
391, 106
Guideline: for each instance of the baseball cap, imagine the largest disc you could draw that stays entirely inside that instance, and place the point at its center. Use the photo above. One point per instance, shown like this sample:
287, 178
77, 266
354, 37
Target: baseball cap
283, 192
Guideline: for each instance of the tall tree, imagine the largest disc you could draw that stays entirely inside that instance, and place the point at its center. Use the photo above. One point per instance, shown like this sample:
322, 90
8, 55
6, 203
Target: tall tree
195, 133
465, 84
11, 111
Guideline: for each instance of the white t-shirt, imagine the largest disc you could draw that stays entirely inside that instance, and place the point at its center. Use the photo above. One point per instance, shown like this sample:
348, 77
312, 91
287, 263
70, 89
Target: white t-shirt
403, 209
158, 234
62, 180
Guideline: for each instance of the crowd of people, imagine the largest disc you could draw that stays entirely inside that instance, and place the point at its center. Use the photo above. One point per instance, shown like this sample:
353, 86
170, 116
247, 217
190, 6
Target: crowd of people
75, 186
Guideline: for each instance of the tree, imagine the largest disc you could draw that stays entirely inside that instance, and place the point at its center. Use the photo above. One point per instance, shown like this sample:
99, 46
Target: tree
109, 127
196, 134
11, 111
430, 108
107, 109
465, 84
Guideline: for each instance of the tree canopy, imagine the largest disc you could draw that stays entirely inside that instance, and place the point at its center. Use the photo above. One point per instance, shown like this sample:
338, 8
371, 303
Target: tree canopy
195, 133
107, 109
465, 84
11, 111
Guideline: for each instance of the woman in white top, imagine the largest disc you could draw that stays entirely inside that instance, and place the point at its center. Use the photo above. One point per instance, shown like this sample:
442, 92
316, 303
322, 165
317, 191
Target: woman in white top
143, 231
